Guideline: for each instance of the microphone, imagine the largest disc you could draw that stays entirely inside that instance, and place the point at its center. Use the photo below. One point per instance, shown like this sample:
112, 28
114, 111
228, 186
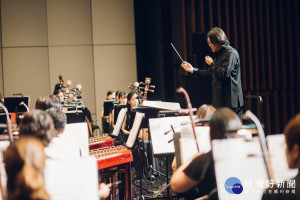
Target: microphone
189, 105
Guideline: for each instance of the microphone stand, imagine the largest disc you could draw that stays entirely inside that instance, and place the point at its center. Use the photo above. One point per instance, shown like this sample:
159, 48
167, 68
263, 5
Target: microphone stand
189, 105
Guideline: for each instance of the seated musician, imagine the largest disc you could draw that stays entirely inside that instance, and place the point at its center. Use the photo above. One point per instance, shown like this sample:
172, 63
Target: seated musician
292, 139
129, 118
122, 96
61, 97
196, 177
61, 146
203, 112
24, 164
46, 102
126, 128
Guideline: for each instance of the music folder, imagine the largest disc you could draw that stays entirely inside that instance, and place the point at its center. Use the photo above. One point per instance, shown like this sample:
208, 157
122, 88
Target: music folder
120, 121
74, 179
187, 141
135, 129
79, 131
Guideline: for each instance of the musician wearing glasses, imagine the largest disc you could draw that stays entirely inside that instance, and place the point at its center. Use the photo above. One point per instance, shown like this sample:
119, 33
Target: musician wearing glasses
225, 70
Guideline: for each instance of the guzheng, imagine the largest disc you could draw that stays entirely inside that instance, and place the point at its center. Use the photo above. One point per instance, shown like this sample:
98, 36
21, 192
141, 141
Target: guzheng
100, 142
112, 156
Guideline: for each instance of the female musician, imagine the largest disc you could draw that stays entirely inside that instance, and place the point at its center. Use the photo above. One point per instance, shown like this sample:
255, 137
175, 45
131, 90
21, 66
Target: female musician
24, 164
129, 118
122, 97
127, 126
199, 171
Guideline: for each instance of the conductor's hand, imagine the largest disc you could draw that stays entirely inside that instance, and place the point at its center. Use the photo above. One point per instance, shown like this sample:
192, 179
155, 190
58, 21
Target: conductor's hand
208, 60
187, 66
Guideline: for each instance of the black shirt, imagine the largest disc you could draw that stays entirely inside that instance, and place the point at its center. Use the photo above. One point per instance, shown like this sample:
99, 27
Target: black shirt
201, 169
225, 71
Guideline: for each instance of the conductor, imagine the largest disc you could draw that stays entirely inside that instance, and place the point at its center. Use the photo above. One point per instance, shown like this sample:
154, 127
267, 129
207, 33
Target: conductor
225, 70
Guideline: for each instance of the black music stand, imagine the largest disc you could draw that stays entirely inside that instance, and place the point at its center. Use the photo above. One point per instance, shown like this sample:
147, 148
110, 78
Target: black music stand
13, 104
75, 117
107, 107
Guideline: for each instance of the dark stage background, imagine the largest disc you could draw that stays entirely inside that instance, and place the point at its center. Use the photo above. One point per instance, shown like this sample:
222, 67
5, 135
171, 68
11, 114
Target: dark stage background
266, 34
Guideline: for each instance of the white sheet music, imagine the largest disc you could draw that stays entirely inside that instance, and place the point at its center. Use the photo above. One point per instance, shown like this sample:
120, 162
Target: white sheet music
243, 160
276, 144
135, 129
72, 179
119, 122
80, 131
158, 128
188, 144
162, 105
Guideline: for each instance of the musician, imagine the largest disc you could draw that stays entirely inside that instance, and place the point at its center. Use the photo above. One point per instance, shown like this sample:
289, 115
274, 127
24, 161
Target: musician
40, 103
122, 96
199, 171
44, 103
225, 70
61, 97
205, 112
110, 95
24, 162
129, 118
127, 126
292, 139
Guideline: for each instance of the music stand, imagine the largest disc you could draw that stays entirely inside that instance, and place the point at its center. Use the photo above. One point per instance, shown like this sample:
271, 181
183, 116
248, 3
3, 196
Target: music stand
13, 104
75, 117
149, 113
107, 106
